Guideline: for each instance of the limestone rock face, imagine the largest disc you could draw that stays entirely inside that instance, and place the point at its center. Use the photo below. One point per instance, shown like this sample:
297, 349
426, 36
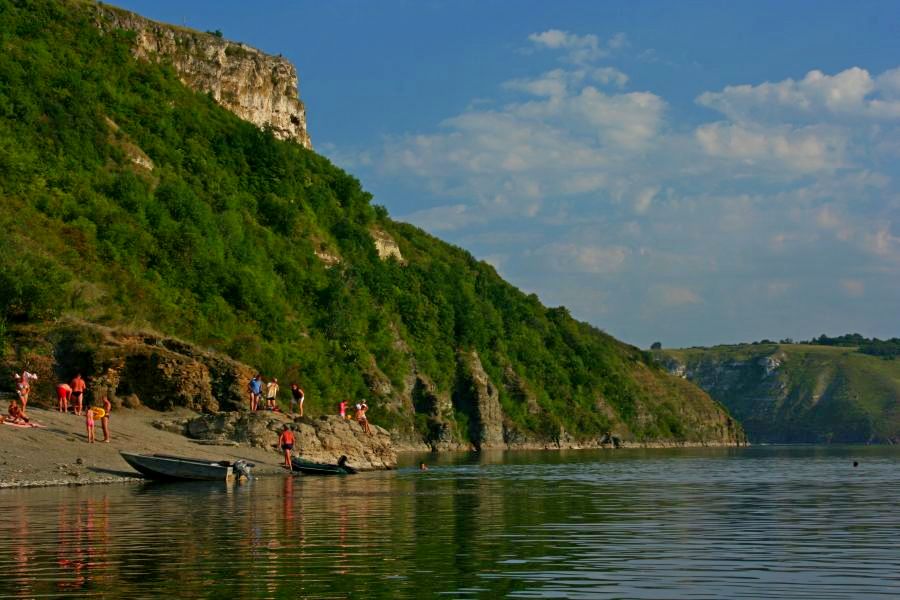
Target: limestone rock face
321, 440
386, 246
258, 88
484, 401
138, 368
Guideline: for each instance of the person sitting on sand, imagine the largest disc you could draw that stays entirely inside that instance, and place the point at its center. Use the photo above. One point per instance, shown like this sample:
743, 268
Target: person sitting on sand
272, 394
63, 393
78, 387
361, 417
89, 423
16, 414
286, 443
104, 420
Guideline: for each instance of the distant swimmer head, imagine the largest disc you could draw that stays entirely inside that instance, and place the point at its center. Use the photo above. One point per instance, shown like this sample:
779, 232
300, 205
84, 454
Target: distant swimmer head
855, 463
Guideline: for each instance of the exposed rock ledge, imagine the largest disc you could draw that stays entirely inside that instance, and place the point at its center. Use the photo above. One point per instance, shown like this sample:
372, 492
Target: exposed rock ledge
323, 439
257, 87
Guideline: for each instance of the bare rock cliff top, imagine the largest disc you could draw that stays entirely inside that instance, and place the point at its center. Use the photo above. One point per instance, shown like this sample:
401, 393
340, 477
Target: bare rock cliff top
257, 87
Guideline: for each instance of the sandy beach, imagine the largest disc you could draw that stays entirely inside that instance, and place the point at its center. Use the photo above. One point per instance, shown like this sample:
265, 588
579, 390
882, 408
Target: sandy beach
58, 453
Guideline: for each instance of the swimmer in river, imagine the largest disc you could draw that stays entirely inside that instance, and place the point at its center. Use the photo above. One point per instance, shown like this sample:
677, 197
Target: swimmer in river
423, 467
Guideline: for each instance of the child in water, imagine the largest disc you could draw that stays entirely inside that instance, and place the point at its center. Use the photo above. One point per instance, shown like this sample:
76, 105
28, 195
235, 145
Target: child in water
89, 423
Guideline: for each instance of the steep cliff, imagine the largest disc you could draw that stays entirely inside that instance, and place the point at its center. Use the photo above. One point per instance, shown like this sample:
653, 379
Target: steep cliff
784, 393
258, 88
138, 203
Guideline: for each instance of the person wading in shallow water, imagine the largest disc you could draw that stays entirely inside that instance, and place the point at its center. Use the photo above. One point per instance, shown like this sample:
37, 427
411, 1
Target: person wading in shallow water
286, 443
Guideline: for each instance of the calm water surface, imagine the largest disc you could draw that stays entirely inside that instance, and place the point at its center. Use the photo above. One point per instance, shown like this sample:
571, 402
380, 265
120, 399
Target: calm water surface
761, 522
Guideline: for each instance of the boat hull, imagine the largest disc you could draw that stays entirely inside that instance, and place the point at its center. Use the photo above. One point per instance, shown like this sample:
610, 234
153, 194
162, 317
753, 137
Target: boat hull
311, 468
173, 468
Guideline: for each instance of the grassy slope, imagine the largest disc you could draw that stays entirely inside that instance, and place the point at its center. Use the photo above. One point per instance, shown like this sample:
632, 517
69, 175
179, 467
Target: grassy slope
217, 243
819, 393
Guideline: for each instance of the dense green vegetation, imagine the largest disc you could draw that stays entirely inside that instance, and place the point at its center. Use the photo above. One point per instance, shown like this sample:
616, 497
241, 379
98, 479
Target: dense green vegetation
216, 243
824, 392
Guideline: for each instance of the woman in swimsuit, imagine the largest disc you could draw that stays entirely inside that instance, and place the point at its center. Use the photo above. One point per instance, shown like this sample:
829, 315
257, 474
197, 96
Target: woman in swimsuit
361, 418
104, 420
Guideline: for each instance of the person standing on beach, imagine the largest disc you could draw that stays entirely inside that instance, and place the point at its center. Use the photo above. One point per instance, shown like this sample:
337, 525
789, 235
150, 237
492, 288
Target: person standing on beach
104, 420
23, 386
89, 423
342, 408
286, 443
255, 388
63, 393
297, 397
272, 394
78, 387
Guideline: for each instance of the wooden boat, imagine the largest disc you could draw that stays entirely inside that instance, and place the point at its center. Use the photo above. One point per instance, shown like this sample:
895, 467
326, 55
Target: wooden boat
307, 467
161, 466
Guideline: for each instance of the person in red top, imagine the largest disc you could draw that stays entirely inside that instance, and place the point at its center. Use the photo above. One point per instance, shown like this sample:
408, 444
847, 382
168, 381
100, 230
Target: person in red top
63, 393
78, 387
286, 442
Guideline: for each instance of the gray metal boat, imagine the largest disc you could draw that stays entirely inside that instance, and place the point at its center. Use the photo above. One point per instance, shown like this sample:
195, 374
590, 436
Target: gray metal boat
161, 466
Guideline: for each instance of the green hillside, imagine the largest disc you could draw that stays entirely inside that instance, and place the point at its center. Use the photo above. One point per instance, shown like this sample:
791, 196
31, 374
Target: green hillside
130, 201
799, 392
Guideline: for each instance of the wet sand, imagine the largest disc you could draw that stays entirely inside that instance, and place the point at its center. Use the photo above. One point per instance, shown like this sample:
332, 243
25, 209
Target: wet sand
59, 453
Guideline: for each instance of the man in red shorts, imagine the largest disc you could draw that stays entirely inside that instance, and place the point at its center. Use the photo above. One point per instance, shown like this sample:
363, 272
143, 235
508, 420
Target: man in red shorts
63, 393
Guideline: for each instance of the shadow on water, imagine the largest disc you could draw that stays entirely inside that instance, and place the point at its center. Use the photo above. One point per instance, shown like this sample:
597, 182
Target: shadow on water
798, 522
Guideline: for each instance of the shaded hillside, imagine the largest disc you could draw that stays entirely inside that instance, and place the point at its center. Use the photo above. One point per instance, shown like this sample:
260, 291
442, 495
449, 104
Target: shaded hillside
131, 201
798, 392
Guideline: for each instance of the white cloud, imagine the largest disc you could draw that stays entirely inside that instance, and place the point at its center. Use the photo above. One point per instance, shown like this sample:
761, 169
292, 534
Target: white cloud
852, 92
644, 199
569, 257
669, 295
442, 218
578, 48
802, 149
853, 287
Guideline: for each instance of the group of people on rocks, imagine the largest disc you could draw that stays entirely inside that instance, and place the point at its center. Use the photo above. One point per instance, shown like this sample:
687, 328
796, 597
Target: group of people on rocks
66, 392
259, 389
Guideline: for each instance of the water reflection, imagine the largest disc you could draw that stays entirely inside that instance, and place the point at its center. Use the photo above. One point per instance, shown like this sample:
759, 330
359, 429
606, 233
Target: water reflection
797, 522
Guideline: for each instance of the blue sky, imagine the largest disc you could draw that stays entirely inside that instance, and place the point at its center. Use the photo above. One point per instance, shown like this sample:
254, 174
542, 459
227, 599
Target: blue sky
688, 172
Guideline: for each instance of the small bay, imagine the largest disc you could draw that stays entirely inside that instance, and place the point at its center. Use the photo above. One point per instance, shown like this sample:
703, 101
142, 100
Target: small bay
799, 522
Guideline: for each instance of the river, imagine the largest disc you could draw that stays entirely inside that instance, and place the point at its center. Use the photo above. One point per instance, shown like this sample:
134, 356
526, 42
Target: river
780, 522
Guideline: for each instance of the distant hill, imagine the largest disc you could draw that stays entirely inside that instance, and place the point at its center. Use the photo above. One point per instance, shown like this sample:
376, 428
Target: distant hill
814, 393
135, 199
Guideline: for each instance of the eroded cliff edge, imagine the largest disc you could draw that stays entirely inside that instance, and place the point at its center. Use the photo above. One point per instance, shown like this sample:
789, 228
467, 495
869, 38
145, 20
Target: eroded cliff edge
257, 87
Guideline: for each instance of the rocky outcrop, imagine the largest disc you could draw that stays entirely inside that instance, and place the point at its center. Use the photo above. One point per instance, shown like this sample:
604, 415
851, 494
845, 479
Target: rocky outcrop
136, 368
321, 440
386, 246
257, 87
481, 397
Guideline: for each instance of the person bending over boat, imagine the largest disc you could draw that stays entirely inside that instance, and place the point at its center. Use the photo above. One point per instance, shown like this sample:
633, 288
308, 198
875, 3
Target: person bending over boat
286, 443
16, 414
